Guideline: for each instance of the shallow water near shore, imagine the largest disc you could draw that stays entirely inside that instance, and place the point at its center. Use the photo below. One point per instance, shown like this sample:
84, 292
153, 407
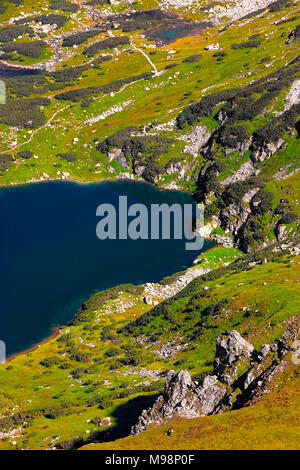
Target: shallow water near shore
51, 260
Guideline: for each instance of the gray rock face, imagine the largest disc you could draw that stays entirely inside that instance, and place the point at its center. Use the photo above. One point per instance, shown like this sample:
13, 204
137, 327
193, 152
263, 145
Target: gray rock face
230, 346
246, 170
118, 155
281, 232
262, 152
294, 36
233, 217
179, 397
210, 395
229, 386
177, 166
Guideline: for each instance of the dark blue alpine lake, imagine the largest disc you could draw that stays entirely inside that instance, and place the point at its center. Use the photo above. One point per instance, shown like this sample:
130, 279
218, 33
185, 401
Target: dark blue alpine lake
51, 260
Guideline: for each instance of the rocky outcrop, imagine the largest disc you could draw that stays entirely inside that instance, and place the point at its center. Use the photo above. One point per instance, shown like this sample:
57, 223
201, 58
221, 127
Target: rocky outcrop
118, 155
240, 375
177, 166
245, 171
235, 216
294, 36
179, 397
261, 151
233, 10
196, 139
170, 348
293, 96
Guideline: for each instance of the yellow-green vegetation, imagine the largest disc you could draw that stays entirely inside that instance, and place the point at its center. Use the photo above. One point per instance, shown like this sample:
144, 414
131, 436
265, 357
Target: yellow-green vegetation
99, 368
158, 99
271, 424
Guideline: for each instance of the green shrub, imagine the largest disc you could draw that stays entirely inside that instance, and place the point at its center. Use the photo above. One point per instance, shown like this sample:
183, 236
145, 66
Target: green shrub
69, 157
80, 356
109, 43
31, 49
58, 20
63, 5
249, 44
288, 218
50, 361
112, 352
193, 58
9, 33
24, 154
5, 162
80, 37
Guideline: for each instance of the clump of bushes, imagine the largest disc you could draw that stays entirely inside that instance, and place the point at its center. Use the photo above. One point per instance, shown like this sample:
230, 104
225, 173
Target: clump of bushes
102, 58
77, 373
232, 136
274, 130
71, 444
109, 43
234, 192
58, 20
287, 20
143, 150
288, 218
72, 73
279, 5
97, 2
69, 157
30, 49
265, 59
5, 162
143, 20
3, 8
82, 93
220, 54
170, 66
24, 113
86, 103
261, 202
24, 154
205, 107
63, 5
246, 45
80, 37
80, 356
65, 365
112, 352
193, 58
50, 361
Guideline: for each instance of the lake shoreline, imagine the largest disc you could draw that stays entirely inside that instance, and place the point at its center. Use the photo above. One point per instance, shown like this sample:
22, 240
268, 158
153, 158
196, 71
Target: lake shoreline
103, 180
56, 332
72, 217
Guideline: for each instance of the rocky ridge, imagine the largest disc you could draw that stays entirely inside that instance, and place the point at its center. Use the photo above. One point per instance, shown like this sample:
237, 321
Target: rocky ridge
240, 376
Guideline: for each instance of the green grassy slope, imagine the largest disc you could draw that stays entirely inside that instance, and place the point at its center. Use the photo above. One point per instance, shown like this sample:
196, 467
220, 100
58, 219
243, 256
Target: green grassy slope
63, 389
156, 100
271, 424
